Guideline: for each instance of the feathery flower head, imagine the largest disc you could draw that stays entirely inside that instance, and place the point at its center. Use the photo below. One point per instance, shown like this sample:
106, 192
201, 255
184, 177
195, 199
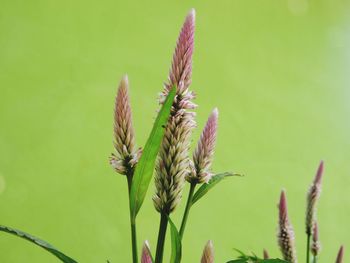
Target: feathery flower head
173, 162
266, 254
203, 155
315, 246
208, 253
126, 156
146, 253
286, 232
340, 255
312, 199
181, 69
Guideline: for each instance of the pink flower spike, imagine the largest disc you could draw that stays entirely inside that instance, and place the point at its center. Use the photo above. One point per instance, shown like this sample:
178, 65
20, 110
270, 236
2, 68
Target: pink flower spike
181, 69
173, 163
318, 177
313, 196
283, 212
123, 129
146, 253
203, 155
340, 255
286, 232
126, 155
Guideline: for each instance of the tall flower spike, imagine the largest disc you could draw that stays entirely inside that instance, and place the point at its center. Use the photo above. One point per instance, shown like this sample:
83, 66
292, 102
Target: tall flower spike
340, 255
203, 155
173, 162
315, 246
125, 157
146, 253
208, 253
286, 232
181, 69
312, 199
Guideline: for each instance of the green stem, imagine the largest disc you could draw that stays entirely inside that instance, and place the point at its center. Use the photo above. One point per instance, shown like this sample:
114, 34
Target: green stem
187, 209
308, 248
315, 259
161, 237
133, 227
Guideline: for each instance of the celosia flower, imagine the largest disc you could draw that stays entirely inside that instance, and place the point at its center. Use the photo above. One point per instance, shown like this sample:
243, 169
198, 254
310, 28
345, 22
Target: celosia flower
340, 255
146, 253
208, 253
203, 155
315, 246
181, 69
286, 232
173, 162
125, 158
312, 199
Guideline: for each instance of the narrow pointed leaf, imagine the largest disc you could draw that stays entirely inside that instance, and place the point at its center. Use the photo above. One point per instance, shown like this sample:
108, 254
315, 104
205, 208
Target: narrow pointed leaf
176, 249
38, 242
212, 182
248, 260
241, 253
273, 261
145, 167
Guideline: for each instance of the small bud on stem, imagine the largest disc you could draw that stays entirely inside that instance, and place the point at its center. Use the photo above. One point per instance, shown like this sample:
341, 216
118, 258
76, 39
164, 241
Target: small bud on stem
340, 255
208, 253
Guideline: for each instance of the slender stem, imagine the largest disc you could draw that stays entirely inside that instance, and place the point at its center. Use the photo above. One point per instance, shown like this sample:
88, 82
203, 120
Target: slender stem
161, 237
308, 248
133, 241
187, 209
315, 259
133, 227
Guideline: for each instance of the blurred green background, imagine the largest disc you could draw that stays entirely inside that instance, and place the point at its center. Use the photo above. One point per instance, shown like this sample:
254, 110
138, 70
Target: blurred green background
278, 71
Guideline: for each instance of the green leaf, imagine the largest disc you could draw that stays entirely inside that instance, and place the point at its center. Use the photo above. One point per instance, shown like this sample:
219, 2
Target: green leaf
176, 249
38, 242
276, 260
241, 253
248, 260
212, 182
144, 168
244, 258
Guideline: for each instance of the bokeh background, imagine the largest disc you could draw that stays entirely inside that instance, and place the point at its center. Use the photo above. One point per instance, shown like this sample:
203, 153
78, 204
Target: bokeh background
278, 70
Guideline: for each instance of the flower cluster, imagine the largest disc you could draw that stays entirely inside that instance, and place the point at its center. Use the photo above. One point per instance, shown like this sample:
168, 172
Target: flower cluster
173, 162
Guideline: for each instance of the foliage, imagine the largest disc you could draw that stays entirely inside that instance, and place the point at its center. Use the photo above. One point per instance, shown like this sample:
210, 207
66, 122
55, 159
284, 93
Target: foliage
39, 242
244, 258
144, 169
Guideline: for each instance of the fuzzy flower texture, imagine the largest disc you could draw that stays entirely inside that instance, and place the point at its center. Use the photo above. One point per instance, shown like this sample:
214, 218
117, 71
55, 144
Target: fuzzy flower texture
173, 162
286, 232
126, 156
203, 155
315, 246
312, 199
